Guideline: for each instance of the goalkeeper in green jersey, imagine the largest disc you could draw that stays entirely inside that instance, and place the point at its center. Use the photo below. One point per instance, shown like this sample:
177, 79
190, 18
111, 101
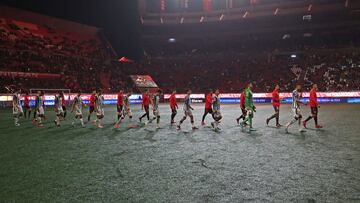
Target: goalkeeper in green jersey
250, 108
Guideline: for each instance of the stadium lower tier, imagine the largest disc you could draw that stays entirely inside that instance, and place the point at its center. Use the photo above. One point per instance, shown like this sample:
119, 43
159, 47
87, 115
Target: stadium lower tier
111, 99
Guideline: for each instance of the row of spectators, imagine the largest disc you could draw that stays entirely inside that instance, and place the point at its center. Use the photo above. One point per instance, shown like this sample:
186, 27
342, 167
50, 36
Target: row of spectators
26, 47
333, 70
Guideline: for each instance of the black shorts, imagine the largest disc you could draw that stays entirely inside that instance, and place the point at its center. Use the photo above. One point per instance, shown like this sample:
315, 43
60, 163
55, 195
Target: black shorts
314, 110
209, 110
243, 110
91, 109
146, 108
119, 108
276, 109
64, 108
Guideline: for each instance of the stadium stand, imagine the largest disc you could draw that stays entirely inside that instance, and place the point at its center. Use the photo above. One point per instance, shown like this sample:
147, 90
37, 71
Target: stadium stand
34, 43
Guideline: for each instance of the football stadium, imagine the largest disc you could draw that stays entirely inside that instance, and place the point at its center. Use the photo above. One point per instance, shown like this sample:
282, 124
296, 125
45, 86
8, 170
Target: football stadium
180, 101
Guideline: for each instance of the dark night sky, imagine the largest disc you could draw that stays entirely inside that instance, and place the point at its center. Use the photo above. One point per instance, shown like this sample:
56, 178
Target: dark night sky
119, 18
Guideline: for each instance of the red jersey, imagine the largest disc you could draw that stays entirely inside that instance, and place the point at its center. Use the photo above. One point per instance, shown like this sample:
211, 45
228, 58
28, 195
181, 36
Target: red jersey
145, 100
63, 100
313, 98
242, 100
26, 100
275, 98
92, 100
208, 101
173, 104
120, 99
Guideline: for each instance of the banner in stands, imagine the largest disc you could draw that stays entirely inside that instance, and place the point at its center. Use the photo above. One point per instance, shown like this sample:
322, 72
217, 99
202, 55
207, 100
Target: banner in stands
111, 99
28, 75
143, 81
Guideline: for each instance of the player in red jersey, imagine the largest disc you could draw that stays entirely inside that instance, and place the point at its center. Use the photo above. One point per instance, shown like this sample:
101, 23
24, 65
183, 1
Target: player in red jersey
27, 108
145, 105
276, 105
242, 107
92, 104
63, 102
313, 106
208, 106
173, 106
120, 104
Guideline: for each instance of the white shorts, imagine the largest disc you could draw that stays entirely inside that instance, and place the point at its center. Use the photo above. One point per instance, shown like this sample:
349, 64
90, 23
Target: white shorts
100, 112
156, 112
127, 112
188, 112
217, 116
59, 110
17, 110
78, 111
41, 110
296, 112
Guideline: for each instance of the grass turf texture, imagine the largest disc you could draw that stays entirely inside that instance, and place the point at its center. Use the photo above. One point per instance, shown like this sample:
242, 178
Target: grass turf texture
142, 164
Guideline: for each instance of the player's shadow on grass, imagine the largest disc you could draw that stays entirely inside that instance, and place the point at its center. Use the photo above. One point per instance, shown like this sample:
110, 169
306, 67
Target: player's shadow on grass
149, 136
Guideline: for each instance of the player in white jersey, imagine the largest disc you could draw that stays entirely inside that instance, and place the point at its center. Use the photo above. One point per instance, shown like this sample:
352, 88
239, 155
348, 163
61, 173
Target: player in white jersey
58, 109
155, 105
77, 105
187, 111
17, 108
99, 108
295, 107
216, 110
126, 111
40, 111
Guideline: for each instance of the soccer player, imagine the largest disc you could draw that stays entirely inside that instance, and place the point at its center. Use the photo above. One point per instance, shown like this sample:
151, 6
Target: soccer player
173, 106
63, 104
155, 105
276, 105
296, 96
242, 107
126, 110
216, 107
92, 103
120, 105
39, 105
58, 109
99, 108
27, 108
17, 108
77, 106
208, 106
313, 106
250, 108
187, 111
145, 106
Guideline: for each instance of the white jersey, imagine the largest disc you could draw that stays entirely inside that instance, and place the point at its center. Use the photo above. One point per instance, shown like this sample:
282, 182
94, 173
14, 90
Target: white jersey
17, 108
100, 105
187, 105
58, 104
216, 103
295, 97
127, 110
156, 100
78, 104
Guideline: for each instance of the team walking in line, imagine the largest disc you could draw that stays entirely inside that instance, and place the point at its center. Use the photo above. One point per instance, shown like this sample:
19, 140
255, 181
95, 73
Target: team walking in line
212, 107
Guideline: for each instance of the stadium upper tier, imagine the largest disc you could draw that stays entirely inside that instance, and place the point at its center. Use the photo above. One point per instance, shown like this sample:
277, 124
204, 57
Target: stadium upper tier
159, 12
